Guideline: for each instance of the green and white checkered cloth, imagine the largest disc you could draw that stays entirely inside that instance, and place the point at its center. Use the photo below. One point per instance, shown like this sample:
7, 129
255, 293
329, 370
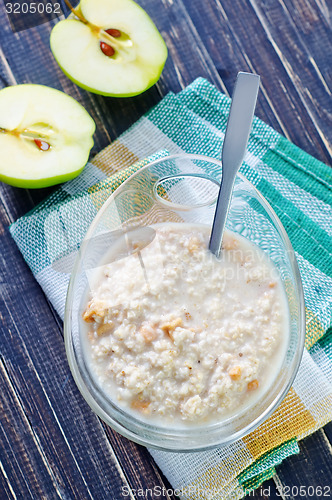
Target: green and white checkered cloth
299, 189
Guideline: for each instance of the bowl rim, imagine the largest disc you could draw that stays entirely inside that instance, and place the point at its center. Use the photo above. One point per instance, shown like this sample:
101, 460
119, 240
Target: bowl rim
74, 367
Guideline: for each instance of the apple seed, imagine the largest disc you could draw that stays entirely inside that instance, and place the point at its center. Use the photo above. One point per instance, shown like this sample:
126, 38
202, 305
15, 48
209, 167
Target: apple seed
42, 145
114, 32
107, 49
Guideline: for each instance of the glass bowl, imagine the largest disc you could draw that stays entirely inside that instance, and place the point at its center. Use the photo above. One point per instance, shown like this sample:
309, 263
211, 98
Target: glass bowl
182, 189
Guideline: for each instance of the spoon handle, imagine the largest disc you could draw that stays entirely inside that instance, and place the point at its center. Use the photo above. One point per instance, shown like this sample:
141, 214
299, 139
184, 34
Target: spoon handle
234, 147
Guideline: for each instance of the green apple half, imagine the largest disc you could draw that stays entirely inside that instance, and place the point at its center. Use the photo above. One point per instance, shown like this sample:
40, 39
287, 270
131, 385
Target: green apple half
136, 56
45, 136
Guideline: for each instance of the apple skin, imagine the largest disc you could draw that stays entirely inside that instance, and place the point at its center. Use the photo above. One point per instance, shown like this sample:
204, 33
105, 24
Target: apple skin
40, 183
22, 164
106, 94
158, 68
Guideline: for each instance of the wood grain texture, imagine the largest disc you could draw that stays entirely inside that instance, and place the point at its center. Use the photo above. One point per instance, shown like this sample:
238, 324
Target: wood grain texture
311, 469
51, 444
313, 473
261, 37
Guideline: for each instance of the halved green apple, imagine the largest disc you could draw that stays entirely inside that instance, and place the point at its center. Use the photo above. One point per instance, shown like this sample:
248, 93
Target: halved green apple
111, 47
45, 136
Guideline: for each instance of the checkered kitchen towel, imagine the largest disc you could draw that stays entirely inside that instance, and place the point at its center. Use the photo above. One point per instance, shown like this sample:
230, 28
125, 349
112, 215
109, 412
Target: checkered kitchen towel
299, 189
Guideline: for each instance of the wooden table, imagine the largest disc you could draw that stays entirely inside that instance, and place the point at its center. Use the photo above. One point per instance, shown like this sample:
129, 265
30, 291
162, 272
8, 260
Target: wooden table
51, 444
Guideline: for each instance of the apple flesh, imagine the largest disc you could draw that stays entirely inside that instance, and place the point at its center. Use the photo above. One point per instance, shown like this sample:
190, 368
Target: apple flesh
45, 136
112, 48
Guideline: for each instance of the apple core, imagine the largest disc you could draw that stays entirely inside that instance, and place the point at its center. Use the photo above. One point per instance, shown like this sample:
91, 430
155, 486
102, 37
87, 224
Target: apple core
107, 49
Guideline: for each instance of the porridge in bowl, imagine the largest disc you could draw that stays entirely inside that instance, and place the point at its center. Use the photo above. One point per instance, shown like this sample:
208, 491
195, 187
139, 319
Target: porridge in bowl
176, 336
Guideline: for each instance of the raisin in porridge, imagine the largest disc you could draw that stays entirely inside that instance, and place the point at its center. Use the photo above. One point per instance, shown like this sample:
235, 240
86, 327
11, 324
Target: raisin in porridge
176, 335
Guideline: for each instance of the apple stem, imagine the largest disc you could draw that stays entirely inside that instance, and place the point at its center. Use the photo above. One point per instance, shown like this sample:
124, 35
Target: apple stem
106, 37
76, 13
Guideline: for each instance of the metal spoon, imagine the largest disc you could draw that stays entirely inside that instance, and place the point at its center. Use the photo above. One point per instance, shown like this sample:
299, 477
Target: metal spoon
234, 147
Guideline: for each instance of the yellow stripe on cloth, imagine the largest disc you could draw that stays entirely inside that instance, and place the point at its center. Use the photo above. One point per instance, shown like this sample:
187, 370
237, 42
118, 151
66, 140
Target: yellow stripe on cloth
290, 420
314, 329
114, 157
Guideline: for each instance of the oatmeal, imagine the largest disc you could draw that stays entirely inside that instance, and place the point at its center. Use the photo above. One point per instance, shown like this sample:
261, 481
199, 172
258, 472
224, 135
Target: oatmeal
176, 335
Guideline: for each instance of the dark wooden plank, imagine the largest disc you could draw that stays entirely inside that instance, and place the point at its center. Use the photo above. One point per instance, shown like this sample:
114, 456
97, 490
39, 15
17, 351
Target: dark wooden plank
137, 462
30, 476
261, 36
328, 432
311, 469
306, 83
